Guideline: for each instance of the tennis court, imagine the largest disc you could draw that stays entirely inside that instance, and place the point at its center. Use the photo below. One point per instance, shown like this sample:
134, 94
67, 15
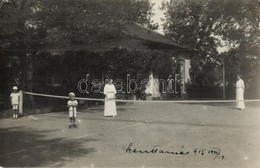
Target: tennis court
184, 134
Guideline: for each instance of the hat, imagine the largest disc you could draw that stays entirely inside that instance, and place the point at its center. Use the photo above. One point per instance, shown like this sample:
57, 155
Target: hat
71, 94
15, 88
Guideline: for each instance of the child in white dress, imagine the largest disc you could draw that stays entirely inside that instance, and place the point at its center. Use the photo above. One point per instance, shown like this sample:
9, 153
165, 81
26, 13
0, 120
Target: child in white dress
15, 96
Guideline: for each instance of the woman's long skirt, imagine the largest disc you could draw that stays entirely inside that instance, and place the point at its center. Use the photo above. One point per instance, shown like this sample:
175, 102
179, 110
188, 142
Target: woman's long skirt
110, 108
240, 104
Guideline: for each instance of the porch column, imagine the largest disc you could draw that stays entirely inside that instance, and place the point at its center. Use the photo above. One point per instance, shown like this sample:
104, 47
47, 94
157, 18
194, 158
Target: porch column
185, 74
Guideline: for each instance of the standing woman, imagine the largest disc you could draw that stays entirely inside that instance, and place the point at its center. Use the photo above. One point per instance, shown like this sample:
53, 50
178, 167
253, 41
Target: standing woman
110, 103
240, 89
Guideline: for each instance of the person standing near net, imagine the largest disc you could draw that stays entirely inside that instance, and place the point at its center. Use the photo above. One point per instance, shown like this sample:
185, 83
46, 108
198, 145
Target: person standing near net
110, 103
15, 96
240, 89
72, 104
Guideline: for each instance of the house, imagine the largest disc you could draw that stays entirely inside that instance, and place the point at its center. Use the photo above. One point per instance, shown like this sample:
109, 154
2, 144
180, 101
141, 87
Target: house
136, 37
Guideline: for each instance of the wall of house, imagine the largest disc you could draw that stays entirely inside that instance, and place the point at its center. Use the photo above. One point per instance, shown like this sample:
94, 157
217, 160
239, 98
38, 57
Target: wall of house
187, 66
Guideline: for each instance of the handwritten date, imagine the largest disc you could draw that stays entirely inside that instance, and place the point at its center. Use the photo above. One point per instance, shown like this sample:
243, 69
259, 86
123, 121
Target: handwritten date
215, 152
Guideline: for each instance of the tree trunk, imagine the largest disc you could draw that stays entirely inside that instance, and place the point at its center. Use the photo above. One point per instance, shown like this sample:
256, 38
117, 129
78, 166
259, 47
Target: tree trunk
30, 80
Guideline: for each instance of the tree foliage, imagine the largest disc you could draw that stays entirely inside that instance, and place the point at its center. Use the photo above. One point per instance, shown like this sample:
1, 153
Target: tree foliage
138, 64
29, 26
208, 25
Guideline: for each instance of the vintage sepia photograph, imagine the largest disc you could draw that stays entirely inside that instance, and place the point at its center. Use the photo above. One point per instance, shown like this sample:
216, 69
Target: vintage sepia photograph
130, 83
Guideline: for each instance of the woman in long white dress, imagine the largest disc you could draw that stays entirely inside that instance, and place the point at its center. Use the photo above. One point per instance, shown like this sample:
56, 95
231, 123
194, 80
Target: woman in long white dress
110, 103
240, 89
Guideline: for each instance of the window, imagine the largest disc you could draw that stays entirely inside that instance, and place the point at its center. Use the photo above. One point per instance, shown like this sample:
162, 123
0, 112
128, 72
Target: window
52, 80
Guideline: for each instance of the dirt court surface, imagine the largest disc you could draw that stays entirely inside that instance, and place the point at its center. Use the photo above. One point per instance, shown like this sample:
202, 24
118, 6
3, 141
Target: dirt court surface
142, 135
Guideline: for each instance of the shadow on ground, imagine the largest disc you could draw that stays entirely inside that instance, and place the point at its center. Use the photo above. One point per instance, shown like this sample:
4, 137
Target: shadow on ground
22, 147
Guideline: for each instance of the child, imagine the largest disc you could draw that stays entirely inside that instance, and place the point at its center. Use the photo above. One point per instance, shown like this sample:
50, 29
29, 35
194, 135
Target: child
72, 104
15, 101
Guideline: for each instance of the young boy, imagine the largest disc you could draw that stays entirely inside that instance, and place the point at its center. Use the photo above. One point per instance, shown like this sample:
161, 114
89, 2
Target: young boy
72, 104
15, 96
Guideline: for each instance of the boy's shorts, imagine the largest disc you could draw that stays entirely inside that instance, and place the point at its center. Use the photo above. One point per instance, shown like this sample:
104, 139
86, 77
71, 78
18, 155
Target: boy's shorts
15, 106
71, 112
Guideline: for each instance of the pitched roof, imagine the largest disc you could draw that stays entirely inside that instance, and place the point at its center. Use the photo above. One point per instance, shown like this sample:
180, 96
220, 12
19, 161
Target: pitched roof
137, 31
136, 37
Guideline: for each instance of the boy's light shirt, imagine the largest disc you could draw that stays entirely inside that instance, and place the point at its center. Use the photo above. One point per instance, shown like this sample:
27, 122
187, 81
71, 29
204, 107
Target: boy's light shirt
72, 104
15, 98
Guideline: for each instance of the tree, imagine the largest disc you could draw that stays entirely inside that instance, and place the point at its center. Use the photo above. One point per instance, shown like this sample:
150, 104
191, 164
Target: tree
88, 21
205, 25
28, 27
18, 42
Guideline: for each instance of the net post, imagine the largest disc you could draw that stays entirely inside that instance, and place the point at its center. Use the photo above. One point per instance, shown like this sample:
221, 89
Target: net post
21, 103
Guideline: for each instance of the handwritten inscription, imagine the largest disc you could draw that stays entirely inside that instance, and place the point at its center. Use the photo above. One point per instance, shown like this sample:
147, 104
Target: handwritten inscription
211, 151
215, 152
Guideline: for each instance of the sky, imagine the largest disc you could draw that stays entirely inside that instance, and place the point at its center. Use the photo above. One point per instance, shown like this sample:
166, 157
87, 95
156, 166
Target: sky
158, 14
